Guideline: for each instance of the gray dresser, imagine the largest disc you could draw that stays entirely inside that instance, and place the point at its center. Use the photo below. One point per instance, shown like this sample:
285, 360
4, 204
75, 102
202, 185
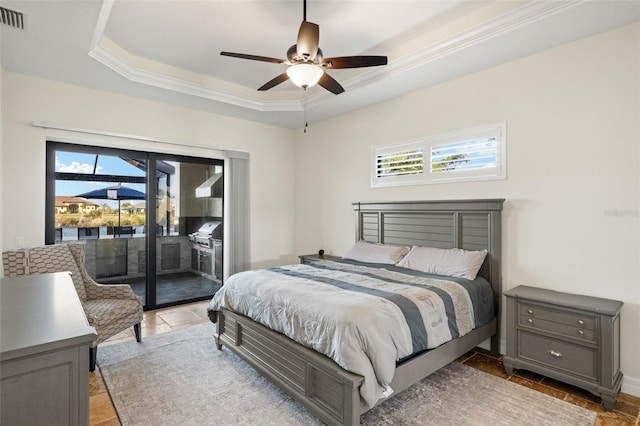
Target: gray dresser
44, 352
571, 338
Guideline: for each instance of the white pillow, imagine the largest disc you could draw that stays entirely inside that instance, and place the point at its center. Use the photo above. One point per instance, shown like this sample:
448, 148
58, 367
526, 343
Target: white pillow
364, 251
450, 262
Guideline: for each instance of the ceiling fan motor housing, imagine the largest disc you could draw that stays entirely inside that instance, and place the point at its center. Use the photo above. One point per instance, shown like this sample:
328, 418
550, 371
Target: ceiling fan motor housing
292, 55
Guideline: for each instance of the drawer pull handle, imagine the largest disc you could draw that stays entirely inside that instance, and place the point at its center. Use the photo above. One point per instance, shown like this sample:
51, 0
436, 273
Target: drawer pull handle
581, 322
581, 332
529, 311
554, 353
530, 321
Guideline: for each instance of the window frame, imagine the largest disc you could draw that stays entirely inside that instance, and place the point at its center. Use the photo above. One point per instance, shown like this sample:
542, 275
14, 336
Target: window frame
497, 130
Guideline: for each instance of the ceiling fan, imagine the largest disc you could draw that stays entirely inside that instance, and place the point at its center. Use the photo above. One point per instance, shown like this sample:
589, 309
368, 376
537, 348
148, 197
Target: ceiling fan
306, 63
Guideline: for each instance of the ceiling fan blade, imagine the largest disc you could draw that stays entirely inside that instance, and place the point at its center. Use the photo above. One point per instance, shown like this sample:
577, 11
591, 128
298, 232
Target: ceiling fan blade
253, 57
354, 62
308, 39
274, 82
330, 84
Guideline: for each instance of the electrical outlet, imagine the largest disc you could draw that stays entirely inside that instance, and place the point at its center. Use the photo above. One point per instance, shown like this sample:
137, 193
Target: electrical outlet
19, 242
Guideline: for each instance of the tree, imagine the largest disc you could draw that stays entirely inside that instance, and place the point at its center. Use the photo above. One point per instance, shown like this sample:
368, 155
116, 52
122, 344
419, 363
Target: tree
410, 164
448, 163
128, 207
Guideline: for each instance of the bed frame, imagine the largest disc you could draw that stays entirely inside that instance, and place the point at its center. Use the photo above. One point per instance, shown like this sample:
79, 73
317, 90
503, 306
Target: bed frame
332, 393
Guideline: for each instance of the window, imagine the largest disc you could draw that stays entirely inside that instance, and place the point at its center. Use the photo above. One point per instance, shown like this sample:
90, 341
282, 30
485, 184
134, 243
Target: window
470, 155
398, 165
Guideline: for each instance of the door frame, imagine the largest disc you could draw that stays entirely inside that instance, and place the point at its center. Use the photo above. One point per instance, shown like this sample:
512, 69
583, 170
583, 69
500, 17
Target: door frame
151, 187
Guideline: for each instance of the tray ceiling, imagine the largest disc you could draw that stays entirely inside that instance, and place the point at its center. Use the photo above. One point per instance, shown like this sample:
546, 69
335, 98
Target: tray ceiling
169, 50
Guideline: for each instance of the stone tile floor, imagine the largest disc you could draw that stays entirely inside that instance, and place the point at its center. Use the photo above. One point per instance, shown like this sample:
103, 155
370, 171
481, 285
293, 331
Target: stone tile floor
102, 412
626, 411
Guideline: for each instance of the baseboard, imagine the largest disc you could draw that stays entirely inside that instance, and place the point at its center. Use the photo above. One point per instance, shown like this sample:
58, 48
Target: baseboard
631, 386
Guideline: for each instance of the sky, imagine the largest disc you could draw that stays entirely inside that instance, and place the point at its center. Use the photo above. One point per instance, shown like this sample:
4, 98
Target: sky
480, 153
73, 162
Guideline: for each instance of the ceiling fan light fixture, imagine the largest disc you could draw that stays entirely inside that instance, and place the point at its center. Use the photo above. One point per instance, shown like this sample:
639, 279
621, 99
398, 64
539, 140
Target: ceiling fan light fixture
307, 63
305, 75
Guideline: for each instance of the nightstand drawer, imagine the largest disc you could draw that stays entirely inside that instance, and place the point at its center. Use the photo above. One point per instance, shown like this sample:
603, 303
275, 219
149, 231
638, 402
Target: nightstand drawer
569, 324
572, 358
559, 328
558, 316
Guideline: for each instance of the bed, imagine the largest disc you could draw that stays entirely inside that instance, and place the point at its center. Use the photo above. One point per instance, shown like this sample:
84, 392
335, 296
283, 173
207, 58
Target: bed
329, 391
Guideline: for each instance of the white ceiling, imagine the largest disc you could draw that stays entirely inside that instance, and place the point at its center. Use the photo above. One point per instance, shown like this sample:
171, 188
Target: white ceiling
169, 50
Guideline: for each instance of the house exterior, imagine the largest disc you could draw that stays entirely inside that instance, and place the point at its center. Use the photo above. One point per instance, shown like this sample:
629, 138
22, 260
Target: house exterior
572, 191
67, 204
139, 208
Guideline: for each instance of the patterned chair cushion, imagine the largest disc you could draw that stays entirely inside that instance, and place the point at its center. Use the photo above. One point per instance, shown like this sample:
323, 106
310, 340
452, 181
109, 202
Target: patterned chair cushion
56, 258
14, 263
103, 312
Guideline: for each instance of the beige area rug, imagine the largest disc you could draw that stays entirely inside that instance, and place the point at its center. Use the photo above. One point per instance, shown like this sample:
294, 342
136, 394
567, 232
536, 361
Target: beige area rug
180, 378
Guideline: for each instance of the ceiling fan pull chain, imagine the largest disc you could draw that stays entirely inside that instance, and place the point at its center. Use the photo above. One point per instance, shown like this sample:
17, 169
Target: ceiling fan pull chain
304, 108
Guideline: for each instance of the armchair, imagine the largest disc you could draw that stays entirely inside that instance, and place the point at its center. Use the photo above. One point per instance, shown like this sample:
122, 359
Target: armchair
110, 309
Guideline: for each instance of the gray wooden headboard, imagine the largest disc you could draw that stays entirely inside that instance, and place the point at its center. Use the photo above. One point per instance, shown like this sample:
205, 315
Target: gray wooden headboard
465, 224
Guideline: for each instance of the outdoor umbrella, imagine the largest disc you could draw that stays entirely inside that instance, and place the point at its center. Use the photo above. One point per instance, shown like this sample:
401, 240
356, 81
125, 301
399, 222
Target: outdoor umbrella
117, 193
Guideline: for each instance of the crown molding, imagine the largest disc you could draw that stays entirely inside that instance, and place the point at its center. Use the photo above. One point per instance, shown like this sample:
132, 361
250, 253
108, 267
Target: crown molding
501, 25
103, 18
132, 73
120, 64
512, 20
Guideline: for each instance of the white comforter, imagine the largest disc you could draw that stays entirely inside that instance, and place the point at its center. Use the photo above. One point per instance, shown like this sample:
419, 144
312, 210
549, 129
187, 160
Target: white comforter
360, 317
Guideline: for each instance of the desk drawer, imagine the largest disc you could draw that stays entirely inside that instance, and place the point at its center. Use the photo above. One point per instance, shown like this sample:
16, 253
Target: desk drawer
559, 355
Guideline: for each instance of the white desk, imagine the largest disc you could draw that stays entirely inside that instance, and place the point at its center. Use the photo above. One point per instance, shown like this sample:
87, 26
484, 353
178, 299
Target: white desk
44, 352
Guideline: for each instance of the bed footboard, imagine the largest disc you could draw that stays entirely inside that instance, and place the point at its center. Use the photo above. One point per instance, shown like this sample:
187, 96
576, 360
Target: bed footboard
328, 391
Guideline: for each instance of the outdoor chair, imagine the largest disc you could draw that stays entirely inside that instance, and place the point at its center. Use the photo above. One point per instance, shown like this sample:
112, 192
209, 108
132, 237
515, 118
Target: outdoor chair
110, 309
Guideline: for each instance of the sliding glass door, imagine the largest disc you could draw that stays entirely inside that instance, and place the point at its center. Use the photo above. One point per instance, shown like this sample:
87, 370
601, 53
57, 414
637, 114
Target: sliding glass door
138, 215
188, 224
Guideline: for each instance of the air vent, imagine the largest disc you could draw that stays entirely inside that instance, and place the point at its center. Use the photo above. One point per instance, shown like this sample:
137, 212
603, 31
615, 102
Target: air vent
12, 18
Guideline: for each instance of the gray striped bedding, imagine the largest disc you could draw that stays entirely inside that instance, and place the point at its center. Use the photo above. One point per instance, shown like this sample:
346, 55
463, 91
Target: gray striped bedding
365, 317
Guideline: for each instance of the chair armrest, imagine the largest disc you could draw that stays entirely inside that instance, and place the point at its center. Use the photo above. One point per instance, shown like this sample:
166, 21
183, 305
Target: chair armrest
107, 291
110, 291
90, 317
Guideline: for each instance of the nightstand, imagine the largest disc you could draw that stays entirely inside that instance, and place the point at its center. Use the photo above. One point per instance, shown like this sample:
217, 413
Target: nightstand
308, 258
568, 337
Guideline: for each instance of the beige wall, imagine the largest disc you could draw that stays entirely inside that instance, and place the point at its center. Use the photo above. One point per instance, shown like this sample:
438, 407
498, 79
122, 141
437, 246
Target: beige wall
570, 219
31, 99
1, 155
571, 216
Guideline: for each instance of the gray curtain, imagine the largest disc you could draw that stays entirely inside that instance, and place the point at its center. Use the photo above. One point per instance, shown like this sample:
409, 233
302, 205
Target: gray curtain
236, 199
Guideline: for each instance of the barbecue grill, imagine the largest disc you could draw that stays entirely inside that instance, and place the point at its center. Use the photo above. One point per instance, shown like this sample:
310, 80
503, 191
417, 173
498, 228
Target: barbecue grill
207, 233
206, 250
